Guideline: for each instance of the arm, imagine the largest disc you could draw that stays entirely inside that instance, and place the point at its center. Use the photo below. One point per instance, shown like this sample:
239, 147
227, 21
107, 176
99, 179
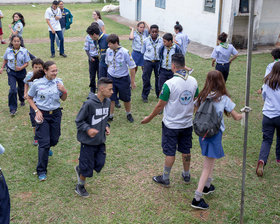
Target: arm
236, 116
39, 115
147, 25
49, 24
26, 86
233, 58
3, 65
158, 108
13, 32
103, 29
213, 62
131, 35
63, 90
21, 67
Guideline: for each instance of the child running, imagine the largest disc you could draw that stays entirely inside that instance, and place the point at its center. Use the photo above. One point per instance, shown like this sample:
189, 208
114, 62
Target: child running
17, 25
92, 128
37, 64
211, 147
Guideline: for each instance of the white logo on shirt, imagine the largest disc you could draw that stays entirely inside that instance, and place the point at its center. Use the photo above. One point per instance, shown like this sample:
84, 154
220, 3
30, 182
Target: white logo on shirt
99, 112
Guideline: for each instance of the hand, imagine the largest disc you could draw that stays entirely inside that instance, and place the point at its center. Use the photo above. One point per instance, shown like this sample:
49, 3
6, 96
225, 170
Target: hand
92, 59
146, 120
131, 28
1, 70
10, 26
107, 131
213, 63
53, 31
61, 87
259, 91
92, 132
39, 116
25, 96
18, 68
133, 85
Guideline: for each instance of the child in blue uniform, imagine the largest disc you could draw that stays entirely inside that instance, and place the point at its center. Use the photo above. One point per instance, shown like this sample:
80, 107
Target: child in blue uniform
47, 90
37, 64
221, 55
137, 36
150, 49
182, 40
165, 55
211, 148
17, 24
16, 59
119, 61
92, 128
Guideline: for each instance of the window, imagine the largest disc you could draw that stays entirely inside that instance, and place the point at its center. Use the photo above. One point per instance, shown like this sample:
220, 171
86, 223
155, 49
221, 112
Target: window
209, 5
244, 6
160, 4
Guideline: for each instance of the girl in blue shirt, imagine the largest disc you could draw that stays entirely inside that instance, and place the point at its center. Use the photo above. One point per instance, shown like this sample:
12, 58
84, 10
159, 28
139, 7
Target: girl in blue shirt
17, 25
211, 148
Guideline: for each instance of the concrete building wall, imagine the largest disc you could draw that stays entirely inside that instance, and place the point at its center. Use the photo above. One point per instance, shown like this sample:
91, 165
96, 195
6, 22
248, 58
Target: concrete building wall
4, 2
128, 9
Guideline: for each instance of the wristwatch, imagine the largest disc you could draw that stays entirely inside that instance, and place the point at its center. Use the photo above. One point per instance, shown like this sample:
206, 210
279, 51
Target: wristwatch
36, 111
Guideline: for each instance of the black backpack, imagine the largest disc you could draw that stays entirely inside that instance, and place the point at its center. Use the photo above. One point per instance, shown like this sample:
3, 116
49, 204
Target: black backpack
206, 120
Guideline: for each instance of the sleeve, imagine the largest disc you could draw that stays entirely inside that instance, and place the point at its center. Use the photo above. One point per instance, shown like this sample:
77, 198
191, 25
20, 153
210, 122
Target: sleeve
101, 23
28, 77
264, 87
5, 57
165, 92
234, 51
19, 27
27, 57
179, 41
229, 105
81, 119
59, 81
32, 90
214, 54
129, 61
196, 92
86, 45
106, 57
1, 14
268, 70
47, 14
143, 49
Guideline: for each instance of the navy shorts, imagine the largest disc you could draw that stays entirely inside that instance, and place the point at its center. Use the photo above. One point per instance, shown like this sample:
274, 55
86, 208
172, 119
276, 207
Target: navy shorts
138, 58
176, 139
121, 86
92, 157
32, 115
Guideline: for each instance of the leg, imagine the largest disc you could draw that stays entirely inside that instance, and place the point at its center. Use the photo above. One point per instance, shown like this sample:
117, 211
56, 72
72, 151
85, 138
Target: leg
61, 42
112, 108
13, 91
57, 41
208, 166
186, 158
55, 128
102, 71
99, 158
127, 106
156, 71
277, 124
146, 77
20, 89
92, 72
4, 201
52, 37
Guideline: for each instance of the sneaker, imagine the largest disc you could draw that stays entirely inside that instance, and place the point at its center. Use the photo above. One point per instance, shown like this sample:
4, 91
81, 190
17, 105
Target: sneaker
35, 142
110, 119
42, 177
50, 152
53, 55
13, 113
80, 190
3, 42
22, 104
187, 179
77, 170
63, 55
259, 169
208, 190
161, 181
201, 204
130, 118
57, 49
145, 100
118, 105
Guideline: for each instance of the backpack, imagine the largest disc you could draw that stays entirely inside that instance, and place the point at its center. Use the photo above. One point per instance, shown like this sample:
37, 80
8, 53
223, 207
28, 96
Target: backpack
206, 120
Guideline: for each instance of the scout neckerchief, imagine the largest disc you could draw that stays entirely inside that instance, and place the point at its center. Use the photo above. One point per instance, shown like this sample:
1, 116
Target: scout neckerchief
54, 14
182, 73
97, 43
141, 36
114, 57
276, 60
15, 54
19, 21
224, 45
154, 44
167, 55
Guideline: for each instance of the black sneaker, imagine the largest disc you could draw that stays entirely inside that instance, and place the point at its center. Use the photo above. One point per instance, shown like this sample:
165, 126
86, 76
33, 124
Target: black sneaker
187, 179
80, 190
201, 204
63, 55
130, 118
53, 55
161, 181
110, 119
145, 100
13, 113
22, 104
208, 190
118, 105
77, 170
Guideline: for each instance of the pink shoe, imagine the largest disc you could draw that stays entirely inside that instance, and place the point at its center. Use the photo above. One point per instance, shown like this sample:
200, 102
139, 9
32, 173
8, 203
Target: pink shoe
259, 169
278, 162
3, 42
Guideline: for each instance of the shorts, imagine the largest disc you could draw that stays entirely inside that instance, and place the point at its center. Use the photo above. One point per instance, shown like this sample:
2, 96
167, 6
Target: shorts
121, 86
92, 157
212, 147
1, 31
176, 139
138, 58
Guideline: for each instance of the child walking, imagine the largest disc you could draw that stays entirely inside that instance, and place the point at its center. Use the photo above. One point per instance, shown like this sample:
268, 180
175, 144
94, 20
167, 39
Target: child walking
17, 25
211, 147
1, 31
92, 128
16, 59
37, 64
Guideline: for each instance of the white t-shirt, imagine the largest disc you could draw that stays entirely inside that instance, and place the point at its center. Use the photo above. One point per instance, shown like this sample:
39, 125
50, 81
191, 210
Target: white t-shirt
51, 14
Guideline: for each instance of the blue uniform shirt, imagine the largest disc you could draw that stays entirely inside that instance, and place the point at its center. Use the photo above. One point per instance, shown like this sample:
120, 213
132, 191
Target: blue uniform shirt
16, 57
222, 55
167, 55
102, 47
150, 48
138, 40
269, 67
90, 46
45, 93
183, 42
18, 26
118, 62
27, 78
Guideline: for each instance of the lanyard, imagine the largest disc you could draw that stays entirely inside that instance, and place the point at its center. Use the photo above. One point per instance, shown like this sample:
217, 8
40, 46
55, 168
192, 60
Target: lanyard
97, 43
141, 36
15, 54
167, 55
54, 14
154, 44
114, 58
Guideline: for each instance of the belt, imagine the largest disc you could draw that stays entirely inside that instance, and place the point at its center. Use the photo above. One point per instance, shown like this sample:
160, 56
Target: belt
51, 111
154, 61
222, 63
166, 69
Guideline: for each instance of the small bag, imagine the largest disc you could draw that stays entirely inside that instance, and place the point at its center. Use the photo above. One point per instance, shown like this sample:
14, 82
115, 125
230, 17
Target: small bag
206, 122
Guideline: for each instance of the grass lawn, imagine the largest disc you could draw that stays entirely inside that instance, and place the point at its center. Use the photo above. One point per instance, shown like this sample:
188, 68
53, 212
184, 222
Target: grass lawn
124, 192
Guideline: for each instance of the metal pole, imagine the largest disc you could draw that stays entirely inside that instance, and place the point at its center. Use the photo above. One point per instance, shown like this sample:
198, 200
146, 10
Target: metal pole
248, 75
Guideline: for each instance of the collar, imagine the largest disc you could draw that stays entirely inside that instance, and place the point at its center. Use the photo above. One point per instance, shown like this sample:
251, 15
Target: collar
181, 73
154, 40
12, 49
276, 60
46, 80
224, 45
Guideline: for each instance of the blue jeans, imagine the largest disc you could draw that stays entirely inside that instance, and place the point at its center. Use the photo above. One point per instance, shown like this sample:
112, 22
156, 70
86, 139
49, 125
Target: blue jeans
149, 66
224, 69
14, 78
164, 75
57, 39
93, 70
4, 201
61, 39
268, 127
